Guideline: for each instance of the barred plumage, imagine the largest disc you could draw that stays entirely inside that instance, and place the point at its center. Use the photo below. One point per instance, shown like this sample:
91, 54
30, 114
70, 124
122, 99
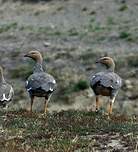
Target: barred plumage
40, 83
106, 83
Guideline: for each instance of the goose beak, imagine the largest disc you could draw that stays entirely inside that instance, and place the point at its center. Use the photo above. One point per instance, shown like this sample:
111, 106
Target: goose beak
26, 55
97, 61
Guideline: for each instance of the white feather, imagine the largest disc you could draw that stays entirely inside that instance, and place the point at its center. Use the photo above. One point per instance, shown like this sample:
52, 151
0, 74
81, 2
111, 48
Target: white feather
51, 89
54, 81
4, 98
111, 86
10, 95
26, 82
29, 89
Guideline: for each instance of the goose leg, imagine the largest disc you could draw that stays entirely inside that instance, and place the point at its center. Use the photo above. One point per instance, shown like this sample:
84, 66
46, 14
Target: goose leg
111, 105
97, 103
46, 103
32, 101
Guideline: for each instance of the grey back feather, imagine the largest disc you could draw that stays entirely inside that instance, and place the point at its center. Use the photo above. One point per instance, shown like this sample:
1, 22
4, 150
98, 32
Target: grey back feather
107, 79
41, 80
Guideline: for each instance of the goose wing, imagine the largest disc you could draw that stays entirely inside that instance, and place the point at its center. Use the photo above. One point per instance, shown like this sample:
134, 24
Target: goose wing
6, 92
42, 81
107, 79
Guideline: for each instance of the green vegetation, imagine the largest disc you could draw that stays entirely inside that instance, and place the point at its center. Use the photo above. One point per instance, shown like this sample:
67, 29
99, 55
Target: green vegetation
73, 32
129, 61
132, 60
128, 36
123, 8
81, 85
110, 20
22, 71
42, 30
89, 57
120, 63
7, 27
124, 35
15, 53
95, 27
75, 87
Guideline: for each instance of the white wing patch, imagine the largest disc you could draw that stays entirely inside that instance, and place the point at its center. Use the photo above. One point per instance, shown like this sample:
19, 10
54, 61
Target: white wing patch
51, 89
4, 98
29, 89
118, 81
9, 97
111, 86
93, 76
26, 82
54, 81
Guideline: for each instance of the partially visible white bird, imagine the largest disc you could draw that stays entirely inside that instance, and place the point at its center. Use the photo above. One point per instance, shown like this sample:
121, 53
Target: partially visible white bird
6, 90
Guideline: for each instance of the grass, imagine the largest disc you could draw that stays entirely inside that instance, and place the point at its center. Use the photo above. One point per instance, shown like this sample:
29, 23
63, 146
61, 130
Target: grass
124, 35
128, 36
73, 32
64, 131
50, 31
75, 87
80, 85
7, 27
95, 27
89, 57
22, 71
132, 60
110, 21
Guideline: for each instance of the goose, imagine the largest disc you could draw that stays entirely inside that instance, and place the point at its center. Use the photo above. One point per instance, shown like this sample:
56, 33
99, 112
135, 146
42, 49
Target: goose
106, 83
40, 83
